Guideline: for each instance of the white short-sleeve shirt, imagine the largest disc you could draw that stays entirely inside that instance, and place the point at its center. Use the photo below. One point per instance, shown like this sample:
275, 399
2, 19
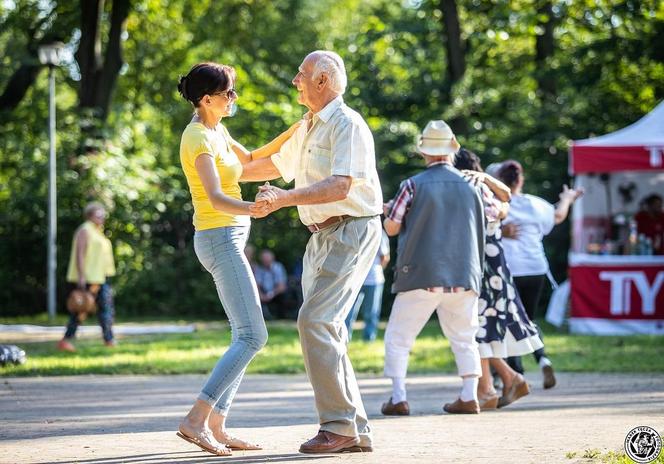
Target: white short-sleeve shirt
535, 218
338, 143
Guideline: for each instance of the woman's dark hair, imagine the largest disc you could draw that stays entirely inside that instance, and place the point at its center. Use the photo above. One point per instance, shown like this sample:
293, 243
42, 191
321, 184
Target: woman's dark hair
205, 79
509, 172
466, 159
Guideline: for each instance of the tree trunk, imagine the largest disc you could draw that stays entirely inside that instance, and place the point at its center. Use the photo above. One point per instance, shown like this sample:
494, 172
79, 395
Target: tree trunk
456, 56
88, 54
113, 60
23, 78
456, 59
18, 85
99, 70
544, 50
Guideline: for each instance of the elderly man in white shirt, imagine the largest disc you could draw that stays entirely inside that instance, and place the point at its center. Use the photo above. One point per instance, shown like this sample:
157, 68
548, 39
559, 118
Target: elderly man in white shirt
337, 192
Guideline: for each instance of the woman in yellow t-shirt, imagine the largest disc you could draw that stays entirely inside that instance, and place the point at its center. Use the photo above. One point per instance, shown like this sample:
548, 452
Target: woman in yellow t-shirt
90, 267
212, 163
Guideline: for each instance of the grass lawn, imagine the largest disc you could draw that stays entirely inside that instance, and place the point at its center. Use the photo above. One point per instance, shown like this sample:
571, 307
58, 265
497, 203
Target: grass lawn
197, 353
610, 457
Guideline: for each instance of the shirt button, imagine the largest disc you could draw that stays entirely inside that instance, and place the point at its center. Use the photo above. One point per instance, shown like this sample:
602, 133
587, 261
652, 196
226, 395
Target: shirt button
405, 269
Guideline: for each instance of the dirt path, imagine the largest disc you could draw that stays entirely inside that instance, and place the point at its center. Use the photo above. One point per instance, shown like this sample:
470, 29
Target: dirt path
132, 419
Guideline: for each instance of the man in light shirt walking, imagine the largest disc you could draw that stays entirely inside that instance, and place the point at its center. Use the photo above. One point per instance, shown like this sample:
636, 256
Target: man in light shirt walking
332, 160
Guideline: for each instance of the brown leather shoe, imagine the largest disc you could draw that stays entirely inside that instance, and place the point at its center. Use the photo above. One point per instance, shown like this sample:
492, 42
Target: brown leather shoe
462, 407
399, 409
518, 389
328, 442
549, 378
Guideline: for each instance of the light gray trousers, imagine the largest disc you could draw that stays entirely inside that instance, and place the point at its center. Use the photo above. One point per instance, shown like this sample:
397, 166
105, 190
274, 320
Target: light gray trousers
336, 262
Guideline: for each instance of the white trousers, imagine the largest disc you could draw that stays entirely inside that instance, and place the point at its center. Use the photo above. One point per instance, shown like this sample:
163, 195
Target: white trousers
457, 315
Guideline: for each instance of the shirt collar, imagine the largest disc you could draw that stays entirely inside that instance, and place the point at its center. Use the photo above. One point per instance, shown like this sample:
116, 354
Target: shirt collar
326, 113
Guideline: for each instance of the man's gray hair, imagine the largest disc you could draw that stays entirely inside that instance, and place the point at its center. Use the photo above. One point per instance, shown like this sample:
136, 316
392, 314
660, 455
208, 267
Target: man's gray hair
449, 157
332, 65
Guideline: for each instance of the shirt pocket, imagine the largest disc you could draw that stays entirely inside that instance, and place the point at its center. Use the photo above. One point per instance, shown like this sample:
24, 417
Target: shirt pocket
320, 161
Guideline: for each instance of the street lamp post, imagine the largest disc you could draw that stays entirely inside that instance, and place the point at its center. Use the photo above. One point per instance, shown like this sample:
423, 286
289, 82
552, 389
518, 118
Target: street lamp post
49, 55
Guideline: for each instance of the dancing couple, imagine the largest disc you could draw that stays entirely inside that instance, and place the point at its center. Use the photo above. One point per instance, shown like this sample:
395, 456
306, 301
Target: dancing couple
330, 155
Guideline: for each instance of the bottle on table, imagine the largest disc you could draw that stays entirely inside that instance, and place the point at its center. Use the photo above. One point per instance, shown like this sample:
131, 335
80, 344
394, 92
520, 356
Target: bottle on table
631, 247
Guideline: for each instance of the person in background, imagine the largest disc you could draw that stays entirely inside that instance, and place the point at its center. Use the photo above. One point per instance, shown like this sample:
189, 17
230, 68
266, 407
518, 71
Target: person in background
440, 220
370, 299
505, 329
650, 222
272, 281
250, 253
530, 218
91, 265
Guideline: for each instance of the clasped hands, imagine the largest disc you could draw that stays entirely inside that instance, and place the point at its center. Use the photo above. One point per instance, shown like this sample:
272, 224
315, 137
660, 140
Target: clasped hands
268, 200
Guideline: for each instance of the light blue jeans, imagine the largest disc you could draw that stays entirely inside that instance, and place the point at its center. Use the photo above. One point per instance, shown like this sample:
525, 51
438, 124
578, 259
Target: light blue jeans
368, 302
221, 252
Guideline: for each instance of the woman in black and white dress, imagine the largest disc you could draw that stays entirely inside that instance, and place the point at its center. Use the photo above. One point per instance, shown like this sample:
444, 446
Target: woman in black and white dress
505, 328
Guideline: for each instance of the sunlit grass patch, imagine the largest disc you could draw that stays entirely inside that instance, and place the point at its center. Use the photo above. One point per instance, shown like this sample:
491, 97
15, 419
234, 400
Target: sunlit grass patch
197, 353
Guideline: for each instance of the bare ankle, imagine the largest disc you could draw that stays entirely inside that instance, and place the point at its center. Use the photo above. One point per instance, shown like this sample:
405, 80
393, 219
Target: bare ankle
486, 393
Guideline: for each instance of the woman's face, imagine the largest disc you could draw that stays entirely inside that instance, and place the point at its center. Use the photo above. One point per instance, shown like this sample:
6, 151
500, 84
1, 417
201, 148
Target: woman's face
519, 181
223, 101
98, 216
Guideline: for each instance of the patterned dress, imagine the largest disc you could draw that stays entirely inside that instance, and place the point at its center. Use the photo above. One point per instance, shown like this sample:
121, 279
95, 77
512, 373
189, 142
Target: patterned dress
505, 329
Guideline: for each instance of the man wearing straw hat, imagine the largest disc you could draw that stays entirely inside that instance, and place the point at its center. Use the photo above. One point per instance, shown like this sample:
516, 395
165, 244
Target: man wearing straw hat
439, 218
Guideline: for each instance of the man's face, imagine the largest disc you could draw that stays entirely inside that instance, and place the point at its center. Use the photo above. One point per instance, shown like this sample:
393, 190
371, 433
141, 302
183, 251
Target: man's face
266, 259
304, 83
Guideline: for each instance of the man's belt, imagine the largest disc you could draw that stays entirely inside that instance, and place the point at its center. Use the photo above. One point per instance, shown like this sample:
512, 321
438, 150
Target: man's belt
313, 228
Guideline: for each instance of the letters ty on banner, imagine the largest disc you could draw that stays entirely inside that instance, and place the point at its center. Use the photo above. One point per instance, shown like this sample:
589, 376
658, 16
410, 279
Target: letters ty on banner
625, 292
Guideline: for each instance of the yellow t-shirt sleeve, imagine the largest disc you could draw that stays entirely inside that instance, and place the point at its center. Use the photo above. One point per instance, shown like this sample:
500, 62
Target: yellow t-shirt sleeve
196, 142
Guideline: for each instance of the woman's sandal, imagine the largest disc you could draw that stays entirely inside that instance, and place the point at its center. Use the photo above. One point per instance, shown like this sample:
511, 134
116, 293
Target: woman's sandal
238, 444
488, 403
203, 441
518, 389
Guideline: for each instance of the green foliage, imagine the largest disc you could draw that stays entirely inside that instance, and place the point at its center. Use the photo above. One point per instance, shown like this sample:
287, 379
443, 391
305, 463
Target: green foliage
608, 69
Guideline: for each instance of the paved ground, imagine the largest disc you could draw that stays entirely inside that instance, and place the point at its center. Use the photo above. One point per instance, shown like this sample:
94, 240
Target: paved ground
132, 419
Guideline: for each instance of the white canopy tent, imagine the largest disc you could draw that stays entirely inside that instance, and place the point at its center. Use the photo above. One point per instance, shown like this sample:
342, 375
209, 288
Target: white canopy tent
616, 294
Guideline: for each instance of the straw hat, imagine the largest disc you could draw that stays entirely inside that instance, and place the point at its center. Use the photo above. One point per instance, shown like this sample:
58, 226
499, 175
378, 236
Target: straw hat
437, 139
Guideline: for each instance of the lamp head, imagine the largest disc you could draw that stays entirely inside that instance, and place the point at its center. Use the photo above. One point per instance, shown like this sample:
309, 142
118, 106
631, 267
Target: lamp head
50, 54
